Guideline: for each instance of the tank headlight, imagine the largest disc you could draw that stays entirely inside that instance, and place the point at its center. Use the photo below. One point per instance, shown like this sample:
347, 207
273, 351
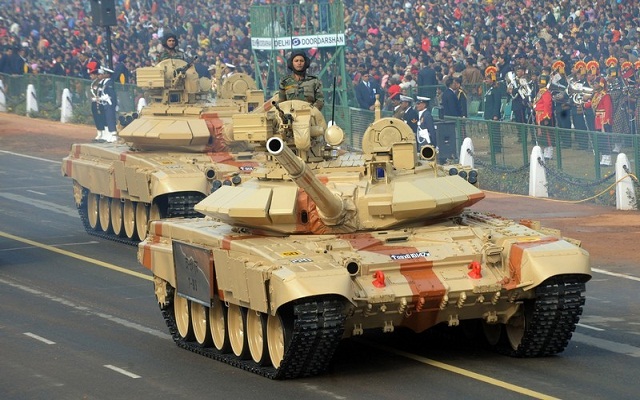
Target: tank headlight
462, 174
236, 179
226, 182
216, 185
473, 176
453, 171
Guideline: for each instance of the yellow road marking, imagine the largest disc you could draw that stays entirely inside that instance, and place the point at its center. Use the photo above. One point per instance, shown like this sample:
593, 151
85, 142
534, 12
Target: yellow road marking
423, 360
76, 256
463, 372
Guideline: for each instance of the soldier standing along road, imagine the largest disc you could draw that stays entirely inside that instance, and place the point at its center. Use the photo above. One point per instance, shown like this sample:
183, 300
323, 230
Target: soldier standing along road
602, 106
426, 133
299, 85
107, 97
92, 70
409, 115
492, 105
543, 106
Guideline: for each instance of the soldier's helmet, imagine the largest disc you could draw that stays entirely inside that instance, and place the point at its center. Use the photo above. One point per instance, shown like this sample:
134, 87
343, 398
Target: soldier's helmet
558, 66
490, 73
307, 60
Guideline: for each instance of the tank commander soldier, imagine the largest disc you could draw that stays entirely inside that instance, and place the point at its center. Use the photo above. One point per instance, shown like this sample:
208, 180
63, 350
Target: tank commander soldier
299, 85
171, 50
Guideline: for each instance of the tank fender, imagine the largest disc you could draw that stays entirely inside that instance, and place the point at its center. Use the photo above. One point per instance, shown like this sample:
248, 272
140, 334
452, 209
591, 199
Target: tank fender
286, 285
157, 256
533, 262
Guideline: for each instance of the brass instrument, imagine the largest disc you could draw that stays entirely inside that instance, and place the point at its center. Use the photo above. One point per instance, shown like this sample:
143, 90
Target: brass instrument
512, 82
578, 92
518, 86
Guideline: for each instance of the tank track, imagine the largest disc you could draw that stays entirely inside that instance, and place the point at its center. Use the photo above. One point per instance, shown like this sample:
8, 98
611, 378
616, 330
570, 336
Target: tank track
178, 205
318, 327
553, 317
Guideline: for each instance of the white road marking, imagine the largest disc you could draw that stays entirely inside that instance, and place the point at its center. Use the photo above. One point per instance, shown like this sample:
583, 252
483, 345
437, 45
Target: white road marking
26, 156
615, 347
616, 274
45, 205
40, 338
117, 320
34, 192
122, 371
590, 327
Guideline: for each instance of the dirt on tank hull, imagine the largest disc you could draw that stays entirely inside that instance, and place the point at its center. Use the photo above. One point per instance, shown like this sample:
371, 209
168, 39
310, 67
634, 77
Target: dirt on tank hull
168, 157
321, 245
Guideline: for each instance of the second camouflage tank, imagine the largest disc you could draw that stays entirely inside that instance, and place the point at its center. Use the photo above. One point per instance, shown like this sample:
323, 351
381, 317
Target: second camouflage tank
168, 158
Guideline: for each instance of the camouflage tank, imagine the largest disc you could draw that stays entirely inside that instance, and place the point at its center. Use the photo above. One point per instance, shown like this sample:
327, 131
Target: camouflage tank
322, 245
168, 158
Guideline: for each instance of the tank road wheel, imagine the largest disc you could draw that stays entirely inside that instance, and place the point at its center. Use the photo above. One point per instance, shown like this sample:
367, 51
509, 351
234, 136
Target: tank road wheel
256, 334
515, 328
218, 326
116, 217
129, 219
104, 213
181, 312
237, 328
200, 323
492, 333
92, 209
278, 337
142, 219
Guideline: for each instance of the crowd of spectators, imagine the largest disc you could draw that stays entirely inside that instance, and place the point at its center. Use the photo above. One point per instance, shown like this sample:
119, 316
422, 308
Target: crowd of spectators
390, 40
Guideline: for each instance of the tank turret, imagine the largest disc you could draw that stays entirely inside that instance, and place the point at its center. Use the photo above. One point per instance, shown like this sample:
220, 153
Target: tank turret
322, 244
324, 189
181, 114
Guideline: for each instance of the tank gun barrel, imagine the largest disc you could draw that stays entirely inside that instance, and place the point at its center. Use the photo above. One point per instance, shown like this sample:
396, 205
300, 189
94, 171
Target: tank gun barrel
331, 206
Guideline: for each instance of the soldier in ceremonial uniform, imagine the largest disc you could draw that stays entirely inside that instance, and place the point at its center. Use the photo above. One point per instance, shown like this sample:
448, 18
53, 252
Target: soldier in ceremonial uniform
492, 104
299, 85
620, 122
97, 111
543, 107
593, 74
426, 133
561, 105
602, 105
107, 97
409, 114
577, 109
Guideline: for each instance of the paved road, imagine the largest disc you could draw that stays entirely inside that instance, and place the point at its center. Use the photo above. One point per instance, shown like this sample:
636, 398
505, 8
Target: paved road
78, 319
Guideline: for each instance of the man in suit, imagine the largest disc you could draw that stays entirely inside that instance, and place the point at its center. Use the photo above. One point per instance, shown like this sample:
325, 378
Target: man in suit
427, 81
450, 102
365, 93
